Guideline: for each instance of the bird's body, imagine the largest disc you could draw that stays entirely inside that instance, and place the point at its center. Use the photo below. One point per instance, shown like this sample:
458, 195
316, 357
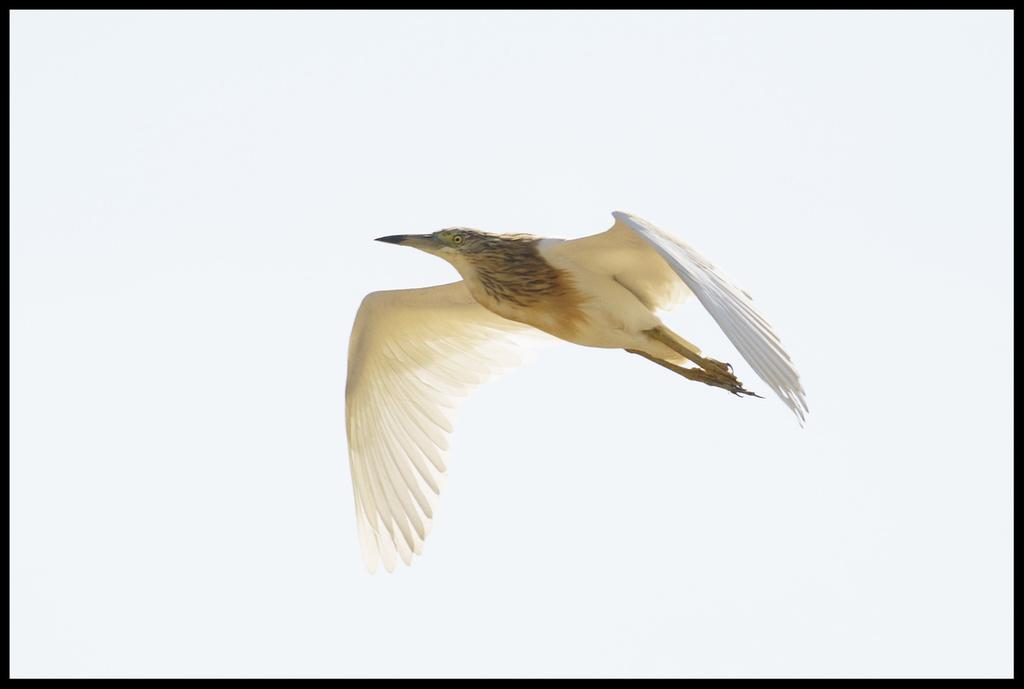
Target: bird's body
414, 353
551, 285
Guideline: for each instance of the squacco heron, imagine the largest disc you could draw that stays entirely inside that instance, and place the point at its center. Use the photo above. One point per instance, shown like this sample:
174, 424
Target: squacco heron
414, 353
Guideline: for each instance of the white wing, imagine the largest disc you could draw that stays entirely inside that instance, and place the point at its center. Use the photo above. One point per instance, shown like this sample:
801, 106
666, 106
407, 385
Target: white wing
412, 355
730, 306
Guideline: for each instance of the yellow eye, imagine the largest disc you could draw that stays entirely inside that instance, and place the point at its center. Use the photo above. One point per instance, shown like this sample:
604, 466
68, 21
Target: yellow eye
457, 239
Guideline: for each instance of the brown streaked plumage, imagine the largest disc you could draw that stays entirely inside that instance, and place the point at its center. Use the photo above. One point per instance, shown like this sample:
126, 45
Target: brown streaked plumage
520, 284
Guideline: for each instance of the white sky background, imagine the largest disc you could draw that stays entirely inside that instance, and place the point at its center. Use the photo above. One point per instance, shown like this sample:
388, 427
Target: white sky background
193, 202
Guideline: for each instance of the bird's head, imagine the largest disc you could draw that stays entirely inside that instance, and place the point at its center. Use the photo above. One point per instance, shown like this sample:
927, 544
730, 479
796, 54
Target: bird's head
444, 243
465, 248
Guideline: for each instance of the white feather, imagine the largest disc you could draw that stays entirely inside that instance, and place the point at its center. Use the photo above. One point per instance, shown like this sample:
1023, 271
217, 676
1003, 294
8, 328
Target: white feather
413, 355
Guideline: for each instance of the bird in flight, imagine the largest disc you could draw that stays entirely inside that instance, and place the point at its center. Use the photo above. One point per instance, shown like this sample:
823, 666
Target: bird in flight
414, 353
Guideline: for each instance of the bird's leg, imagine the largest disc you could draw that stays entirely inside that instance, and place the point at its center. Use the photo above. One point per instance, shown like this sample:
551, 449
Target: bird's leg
683, 349
726, 382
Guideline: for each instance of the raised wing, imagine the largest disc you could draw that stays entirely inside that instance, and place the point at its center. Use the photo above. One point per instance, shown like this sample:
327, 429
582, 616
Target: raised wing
412, 356
635, 264
730, 306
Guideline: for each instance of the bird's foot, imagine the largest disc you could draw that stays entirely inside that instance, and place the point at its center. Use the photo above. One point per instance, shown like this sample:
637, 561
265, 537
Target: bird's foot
716, 367
721, 378
713, 373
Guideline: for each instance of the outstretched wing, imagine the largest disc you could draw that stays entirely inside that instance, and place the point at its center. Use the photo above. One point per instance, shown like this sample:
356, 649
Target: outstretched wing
729, 305
412, 356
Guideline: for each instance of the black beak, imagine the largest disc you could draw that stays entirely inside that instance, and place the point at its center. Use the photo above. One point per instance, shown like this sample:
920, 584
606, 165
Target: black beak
423, 242
393, 239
